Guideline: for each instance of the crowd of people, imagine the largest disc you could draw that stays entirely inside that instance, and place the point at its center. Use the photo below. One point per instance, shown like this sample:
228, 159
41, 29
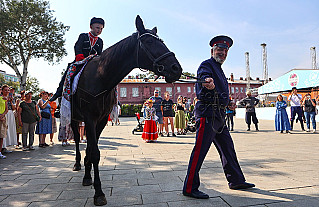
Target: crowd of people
19, 114
164, 112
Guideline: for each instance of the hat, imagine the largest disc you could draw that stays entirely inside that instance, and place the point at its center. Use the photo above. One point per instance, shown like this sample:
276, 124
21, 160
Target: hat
294, 88
97, 20
221, 41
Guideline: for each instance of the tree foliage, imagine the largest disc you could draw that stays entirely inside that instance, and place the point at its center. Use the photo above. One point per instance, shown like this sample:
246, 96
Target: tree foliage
32, 84
29, 30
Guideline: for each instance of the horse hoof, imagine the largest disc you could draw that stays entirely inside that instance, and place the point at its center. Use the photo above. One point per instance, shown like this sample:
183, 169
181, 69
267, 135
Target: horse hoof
77, 167
100, 200
87, 181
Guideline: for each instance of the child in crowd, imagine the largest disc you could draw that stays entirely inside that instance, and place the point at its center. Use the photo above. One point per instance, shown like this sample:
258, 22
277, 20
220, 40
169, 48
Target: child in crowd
150, 129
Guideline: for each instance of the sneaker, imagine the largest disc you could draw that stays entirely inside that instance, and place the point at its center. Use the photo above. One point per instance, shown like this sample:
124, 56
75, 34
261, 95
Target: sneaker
308, 130
2, 156
67, 144
24, 149
51, 143
63, 144
313, 131
31, 148
83, 141
46, 145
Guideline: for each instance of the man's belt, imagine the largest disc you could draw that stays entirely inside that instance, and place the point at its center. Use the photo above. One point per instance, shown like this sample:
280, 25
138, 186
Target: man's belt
221, 106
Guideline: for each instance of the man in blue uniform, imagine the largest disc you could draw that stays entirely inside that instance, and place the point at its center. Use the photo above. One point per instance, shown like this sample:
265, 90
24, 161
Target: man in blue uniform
213, 97
87, 44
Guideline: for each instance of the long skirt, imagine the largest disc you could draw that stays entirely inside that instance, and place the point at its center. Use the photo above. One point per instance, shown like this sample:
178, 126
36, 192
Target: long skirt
18, 127
150, 130
282, 121
11, 138
180, 120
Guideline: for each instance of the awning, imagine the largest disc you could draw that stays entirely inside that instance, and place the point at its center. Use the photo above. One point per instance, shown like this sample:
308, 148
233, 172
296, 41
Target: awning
299, 78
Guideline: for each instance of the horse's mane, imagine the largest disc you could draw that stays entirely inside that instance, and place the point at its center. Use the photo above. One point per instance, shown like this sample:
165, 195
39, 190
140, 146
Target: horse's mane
121, 48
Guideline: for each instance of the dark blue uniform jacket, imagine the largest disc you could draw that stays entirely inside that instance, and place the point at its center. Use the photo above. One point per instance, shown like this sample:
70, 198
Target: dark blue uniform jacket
204, 108
82, 46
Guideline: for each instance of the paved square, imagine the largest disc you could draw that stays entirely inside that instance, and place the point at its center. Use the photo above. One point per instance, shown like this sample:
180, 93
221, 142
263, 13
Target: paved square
284, 168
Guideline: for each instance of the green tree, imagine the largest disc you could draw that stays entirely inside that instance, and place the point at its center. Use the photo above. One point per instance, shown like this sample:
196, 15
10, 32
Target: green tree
29, 30
2, 80
186, 74
32, 84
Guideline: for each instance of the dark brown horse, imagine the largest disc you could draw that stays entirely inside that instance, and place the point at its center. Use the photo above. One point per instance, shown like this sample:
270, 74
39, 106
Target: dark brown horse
95, 96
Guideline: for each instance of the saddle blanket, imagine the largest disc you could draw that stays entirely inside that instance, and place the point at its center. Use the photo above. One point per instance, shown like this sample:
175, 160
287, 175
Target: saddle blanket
65, 111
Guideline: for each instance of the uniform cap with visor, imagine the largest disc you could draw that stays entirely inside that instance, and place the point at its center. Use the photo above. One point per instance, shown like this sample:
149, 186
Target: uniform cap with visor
221, 41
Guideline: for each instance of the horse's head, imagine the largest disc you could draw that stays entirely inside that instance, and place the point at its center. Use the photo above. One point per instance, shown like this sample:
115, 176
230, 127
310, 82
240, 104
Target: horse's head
153, 54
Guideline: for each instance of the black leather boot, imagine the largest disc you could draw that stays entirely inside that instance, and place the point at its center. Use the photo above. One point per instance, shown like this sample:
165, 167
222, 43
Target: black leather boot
256, 125
248, 127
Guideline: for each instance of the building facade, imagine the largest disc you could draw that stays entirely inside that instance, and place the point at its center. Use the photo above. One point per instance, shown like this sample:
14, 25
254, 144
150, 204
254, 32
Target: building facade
9, 77
136, 91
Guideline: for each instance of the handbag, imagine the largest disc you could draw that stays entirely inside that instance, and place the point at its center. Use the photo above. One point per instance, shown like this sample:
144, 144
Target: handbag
37, 118
45, 115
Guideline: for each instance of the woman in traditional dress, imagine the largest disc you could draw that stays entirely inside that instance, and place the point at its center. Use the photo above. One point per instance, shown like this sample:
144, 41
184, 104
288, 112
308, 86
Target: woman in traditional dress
180, 116
150, 129
281, 120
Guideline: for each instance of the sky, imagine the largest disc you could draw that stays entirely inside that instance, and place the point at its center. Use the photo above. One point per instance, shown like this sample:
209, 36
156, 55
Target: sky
288, 27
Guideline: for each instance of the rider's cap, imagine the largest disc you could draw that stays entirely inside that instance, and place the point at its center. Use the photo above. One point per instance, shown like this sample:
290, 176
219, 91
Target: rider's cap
97, 20
221, 41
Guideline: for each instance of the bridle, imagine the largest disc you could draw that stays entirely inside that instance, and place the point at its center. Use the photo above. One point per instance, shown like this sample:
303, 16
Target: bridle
156, 67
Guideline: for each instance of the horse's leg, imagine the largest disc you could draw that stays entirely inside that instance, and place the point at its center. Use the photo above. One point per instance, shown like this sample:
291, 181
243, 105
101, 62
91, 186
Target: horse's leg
100, 126
75, 126
94, 157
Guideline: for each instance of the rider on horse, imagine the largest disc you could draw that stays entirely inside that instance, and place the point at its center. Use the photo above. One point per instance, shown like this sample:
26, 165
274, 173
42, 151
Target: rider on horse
87, 44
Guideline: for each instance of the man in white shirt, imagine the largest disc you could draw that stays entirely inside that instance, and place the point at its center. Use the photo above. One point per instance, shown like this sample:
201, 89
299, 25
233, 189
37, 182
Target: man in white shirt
295, 102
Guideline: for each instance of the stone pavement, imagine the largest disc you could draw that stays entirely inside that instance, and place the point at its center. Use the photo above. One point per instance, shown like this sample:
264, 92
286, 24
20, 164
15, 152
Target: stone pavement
284, 168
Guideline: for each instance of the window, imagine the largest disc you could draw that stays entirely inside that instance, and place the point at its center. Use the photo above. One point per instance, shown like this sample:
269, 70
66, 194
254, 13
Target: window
178, 89
232, 90
237, 91
169, 89
135, 92
123, 92
241, 90
159, 89
189, 89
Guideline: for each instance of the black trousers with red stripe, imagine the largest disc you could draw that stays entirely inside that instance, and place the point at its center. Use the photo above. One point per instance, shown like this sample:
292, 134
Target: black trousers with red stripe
223, 142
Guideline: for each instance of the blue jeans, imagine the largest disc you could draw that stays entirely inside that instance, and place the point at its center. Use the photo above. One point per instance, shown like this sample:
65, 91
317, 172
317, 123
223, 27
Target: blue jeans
312, 116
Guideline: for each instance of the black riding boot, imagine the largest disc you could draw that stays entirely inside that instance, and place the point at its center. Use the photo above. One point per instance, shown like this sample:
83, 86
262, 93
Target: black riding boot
248, 127
59, 90
292, 124
256, 125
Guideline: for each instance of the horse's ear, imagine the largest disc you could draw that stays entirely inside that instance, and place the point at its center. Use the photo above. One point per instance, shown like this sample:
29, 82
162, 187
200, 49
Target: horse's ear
154, 30
139, 24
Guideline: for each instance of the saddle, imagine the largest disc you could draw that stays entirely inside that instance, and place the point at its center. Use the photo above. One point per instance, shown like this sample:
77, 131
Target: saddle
72, 70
